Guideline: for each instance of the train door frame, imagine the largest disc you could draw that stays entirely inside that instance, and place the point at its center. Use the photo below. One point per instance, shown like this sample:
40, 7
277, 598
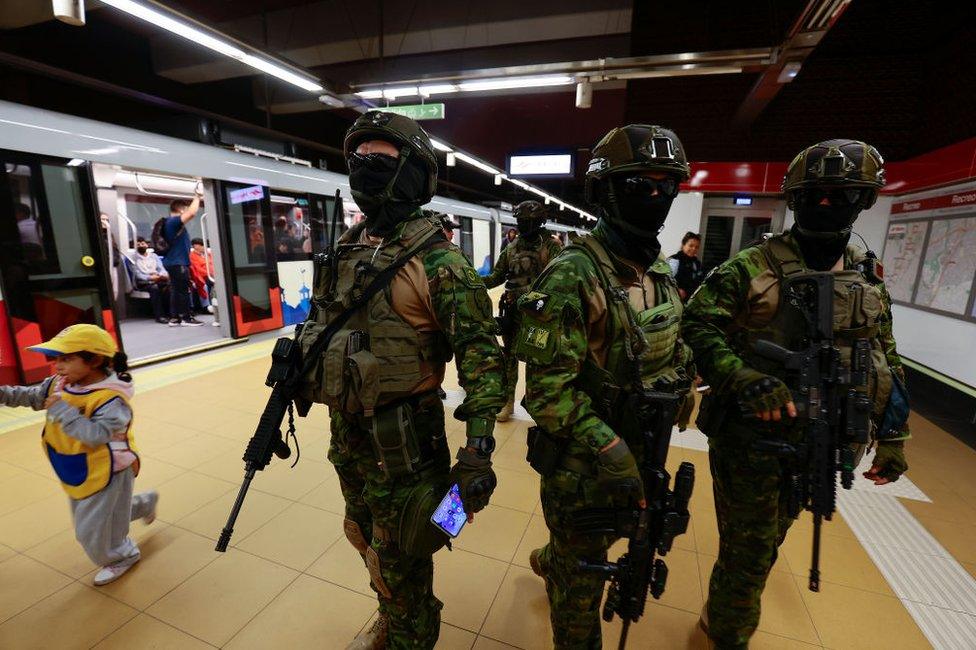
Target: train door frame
31, 366
239, 327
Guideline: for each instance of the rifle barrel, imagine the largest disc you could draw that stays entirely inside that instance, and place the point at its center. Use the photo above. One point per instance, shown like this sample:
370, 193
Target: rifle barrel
232, 519
814, 583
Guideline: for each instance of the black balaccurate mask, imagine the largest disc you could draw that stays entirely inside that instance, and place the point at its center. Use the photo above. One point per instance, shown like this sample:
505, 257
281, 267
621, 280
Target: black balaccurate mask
386, 189
529, 228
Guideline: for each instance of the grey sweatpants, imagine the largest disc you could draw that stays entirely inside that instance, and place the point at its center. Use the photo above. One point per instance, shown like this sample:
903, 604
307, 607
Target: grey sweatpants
102, 520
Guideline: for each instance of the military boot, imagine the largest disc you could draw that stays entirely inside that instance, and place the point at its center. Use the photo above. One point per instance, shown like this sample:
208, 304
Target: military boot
535, 561
506, 413
374, 638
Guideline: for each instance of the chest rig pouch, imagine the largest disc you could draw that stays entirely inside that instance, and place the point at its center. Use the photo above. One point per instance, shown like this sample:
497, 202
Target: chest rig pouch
525, 263
646, 353
858, 310
375, 360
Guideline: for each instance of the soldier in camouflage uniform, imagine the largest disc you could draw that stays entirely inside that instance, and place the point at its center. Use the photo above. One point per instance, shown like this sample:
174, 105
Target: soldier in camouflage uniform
826, 186
382, 369
518, 265
605, 300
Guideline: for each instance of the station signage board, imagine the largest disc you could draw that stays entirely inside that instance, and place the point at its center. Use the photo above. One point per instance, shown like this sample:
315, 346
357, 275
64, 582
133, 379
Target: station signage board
434, 111
549, 164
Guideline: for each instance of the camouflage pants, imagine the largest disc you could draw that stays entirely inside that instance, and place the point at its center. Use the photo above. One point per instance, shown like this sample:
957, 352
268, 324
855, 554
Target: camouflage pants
403, 584
751, 508
511, 361
574, 596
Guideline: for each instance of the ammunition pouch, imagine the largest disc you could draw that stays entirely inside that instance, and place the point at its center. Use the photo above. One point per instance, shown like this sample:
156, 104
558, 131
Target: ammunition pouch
545, 452
417, 535
398, 447
507, 318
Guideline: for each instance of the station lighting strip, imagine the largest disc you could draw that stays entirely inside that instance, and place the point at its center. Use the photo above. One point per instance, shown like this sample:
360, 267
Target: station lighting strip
191, 30
500, 176
185, 28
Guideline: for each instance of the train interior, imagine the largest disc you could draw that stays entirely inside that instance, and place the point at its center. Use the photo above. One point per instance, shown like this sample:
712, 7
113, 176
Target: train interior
130, 203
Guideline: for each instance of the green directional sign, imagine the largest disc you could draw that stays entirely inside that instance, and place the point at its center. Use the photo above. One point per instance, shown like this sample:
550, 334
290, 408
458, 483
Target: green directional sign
418, 111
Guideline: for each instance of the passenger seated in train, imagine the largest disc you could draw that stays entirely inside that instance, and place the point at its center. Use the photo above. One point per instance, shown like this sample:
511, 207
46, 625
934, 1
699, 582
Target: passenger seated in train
151, 276
201, 261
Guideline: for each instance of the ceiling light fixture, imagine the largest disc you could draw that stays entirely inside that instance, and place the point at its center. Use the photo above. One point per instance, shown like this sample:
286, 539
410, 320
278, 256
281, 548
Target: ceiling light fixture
185, 29
516, 82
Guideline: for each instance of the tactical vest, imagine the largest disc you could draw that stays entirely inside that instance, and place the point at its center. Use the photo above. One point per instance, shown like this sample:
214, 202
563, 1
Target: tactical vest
651, 336
376, 357
526, 259
83, 470
858, 309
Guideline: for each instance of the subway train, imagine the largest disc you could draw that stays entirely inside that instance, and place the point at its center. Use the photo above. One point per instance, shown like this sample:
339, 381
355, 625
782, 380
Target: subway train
77, 193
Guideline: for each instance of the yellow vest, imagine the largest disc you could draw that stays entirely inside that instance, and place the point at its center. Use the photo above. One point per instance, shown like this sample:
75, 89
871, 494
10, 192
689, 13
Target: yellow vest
83, 470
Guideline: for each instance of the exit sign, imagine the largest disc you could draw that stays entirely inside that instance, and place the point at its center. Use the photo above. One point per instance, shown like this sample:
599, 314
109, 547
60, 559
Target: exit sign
418, 111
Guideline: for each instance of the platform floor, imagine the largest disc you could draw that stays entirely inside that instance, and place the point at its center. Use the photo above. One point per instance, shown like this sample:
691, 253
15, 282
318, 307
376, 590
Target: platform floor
903, 579
144, 337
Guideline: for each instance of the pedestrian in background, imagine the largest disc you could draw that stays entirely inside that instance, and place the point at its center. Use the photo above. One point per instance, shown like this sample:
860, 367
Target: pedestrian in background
685, 265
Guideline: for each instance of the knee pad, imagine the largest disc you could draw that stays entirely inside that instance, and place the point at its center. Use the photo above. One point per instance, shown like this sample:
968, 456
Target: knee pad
355, 535
376, 574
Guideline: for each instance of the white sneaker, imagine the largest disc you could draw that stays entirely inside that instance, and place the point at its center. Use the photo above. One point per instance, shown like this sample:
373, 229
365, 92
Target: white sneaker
153, 499
113, 572
216, 323
210, 309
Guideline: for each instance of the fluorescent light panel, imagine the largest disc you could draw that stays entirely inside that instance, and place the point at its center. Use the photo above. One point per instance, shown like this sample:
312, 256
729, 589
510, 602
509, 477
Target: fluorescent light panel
201, 37
515, 82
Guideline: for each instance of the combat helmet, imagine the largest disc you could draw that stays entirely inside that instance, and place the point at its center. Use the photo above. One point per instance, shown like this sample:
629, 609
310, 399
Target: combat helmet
836, 163
636, 147
399, 130
530, 211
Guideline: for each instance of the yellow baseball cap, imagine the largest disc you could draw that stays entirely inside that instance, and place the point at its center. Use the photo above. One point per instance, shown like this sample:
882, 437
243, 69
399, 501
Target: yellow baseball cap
79, 338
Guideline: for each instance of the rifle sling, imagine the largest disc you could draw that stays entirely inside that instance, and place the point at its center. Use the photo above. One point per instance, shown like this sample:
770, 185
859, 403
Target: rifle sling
379, 283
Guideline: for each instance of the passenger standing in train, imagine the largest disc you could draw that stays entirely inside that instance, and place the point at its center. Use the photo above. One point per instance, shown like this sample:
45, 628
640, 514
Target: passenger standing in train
88, 440
151, 276
510, 236
177, 259
518, 266
599, 332
385, 363
750, 298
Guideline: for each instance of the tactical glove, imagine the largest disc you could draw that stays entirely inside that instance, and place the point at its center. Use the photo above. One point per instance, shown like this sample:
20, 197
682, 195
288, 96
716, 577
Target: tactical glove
618, 475
889, 461
474, 476
758, 392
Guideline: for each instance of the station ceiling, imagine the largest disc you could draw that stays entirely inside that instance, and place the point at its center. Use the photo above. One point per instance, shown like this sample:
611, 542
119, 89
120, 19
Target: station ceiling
898, 74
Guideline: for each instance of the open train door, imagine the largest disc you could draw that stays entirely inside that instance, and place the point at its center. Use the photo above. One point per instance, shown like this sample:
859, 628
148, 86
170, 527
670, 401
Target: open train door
54, 261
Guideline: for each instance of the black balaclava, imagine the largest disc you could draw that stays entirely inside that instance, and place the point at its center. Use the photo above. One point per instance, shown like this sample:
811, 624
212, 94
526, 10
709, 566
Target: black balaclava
529, 228
387, 189
822, 229
634, 220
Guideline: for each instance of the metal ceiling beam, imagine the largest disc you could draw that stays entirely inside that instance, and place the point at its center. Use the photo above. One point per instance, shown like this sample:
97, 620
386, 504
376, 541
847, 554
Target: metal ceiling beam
807, 31
605, 69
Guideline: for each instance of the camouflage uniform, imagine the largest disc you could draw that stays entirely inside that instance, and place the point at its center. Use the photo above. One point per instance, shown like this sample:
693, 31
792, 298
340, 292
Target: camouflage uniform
379, 377
574, 313
518, 265
739, 302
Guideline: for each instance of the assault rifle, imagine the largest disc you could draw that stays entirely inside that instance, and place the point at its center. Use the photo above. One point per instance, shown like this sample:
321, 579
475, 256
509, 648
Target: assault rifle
288, 367
651, 530
831, 398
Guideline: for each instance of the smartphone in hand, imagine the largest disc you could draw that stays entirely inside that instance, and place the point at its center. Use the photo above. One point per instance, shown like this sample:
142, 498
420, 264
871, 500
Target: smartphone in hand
450, 516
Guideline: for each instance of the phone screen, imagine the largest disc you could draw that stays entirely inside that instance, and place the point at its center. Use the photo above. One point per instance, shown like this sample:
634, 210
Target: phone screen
450, 515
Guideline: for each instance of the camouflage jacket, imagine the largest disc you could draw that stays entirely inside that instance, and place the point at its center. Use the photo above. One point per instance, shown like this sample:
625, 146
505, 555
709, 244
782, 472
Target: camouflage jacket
548, 249
727, 299
571, 283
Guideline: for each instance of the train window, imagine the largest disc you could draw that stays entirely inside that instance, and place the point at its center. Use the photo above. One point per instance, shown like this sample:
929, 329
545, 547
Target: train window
31, 229
290, 219
321, 223
248, 226
467, 237
718, 241
145, 210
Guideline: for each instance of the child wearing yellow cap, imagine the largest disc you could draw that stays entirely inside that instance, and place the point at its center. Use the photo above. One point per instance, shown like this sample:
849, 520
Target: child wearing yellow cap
87, 438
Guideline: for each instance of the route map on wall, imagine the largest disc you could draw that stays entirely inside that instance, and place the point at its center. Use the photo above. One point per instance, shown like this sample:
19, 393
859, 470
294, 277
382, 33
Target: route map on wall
902, 256
946, 280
